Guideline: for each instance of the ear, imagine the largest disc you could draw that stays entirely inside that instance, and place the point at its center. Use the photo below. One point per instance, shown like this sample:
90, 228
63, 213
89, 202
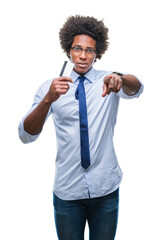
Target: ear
94, 60
69, 55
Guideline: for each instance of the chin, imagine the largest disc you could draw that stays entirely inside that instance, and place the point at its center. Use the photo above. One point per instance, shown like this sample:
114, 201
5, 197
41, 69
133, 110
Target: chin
81, 71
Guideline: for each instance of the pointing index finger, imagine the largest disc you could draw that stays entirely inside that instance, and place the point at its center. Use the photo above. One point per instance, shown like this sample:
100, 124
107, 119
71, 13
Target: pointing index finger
107, 78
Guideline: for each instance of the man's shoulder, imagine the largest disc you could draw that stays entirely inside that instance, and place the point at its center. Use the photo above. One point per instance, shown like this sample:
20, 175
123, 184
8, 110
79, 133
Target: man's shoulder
46, 83
44, 87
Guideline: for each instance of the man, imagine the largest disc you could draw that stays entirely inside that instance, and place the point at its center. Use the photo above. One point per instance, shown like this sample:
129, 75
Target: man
84, 109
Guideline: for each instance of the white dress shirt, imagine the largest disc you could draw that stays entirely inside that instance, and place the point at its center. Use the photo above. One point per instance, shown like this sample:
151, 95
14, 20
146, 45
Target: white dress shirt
104, 175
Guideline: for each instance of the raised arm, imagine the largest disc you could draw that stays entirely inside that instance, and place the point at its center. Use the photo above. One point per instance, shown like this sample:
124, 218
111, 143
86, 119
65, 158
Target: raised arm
114, 82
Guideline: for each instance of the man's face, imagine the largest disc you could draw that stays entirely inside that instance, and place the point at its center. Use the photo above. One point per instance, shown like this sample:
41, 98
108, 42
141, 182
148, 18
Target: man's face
83, 60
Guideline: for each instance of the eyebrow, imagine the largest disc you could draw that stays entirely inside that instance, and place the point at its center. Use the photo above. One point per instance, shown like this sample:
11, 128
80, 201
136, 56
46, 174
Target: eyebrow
76, 45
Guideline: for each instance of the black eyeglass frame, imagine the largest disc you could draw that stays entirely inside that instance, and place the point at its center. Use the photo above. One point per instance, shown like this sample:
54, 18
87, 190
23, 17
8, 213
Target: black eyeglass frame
87, 50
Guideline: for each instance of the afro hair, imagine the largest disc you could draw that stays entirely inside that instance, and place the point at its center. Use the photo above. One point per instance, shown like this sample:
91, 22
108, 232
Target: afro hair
76, 25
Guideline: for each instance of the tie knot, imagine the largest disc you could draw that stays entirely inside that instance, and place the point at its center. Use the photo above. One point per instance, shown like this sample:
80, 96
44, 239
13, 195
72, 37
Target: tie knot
82, 78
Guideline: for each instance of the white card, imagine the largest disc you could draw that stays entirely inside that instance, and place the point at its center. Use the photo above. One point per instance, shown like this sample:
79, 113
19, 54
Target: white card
66, 69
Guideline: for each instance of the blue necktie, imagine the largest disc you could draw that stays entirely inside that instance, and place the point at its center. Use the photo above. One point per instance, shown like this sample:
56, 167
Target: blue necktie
84, 139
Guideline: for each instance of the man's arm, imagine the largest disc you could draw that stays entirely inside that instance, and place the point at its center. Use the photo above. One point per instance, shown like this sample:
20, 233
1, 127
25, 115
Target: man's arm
113, 83
34, 122
130, 84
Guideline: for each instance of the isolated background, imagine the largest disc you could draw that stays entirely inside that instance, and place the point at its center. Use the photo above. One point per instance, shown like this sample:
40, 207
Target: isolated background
29, 55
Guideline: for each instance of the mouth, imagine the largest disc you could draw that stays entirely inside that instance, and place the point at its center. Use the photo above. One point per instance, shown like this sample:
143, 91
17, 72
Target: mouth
82, 65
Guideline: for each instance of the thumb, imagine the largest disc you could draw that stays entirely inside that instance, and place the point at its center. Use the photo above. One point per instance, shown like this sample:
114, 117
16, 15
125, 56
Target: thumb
105, 88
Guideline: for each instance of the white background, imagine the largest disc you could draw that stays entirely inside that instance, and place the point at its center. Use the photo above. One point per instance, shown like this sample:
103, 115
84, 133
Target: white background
29, 55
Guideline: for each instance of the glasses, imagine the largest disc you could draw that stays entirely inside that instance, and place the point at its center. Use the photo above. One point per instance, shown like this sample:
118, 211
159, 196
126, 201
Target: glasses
79, 50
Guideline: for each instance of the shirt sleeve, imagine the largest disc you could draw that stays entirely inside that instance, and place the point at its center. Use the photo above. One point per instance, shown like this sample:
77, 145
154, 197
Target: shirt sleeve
122, 94
42, 91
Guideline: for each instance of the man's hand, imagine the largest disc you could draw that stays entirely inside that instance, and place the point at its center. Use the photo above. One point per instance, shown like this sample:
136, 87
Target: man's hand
58, 87
112, 83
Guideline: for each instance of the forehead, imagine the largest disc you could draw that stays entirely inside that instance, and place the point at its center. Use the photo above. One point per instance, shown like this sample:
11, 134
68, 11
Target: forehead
84, 41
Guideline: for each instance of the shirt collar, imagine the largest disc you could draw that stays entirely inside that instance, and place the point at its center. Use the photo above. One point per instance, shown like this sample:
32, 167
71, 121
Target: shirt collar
89, 75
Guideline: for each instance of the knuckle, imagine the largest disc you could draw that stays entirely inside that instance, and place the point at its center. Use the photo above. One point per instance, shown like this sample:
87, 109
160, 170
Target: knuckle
57, 89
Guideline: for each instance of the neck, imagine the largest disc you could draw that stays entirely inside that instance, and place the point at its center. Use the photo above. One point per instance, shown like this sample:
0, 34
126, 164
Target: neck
80, 73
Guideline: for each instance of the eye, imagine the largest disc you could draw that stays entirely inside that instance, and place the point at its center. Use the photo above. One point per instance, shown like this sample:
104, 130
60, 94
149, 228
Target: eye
90, 50
78, 49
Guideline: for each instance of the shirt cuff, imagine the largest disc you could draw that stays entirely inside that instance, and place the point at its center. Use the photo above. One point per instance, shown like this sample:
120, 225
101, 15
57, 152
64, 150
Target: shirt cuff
122, 94
24, 136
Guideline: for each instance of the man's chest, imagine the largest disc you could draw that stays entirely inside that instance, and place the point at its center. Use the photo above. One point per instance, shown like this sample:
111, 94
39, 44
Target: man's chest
67, 106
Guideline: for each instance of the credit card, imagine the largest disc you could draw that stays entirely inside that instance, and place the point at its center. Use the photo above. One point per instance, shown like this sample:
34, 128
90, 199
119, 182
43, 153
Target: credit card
66, 69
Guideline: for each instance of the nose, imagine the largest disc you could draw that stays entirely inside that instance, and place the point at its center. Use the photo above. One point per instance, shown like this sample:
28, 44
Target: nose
83, 55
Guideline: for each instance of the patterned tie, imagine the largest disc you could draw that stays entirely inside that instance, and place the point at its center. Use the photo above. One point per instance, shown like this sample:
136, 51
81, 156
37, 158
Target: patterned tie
84, 139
